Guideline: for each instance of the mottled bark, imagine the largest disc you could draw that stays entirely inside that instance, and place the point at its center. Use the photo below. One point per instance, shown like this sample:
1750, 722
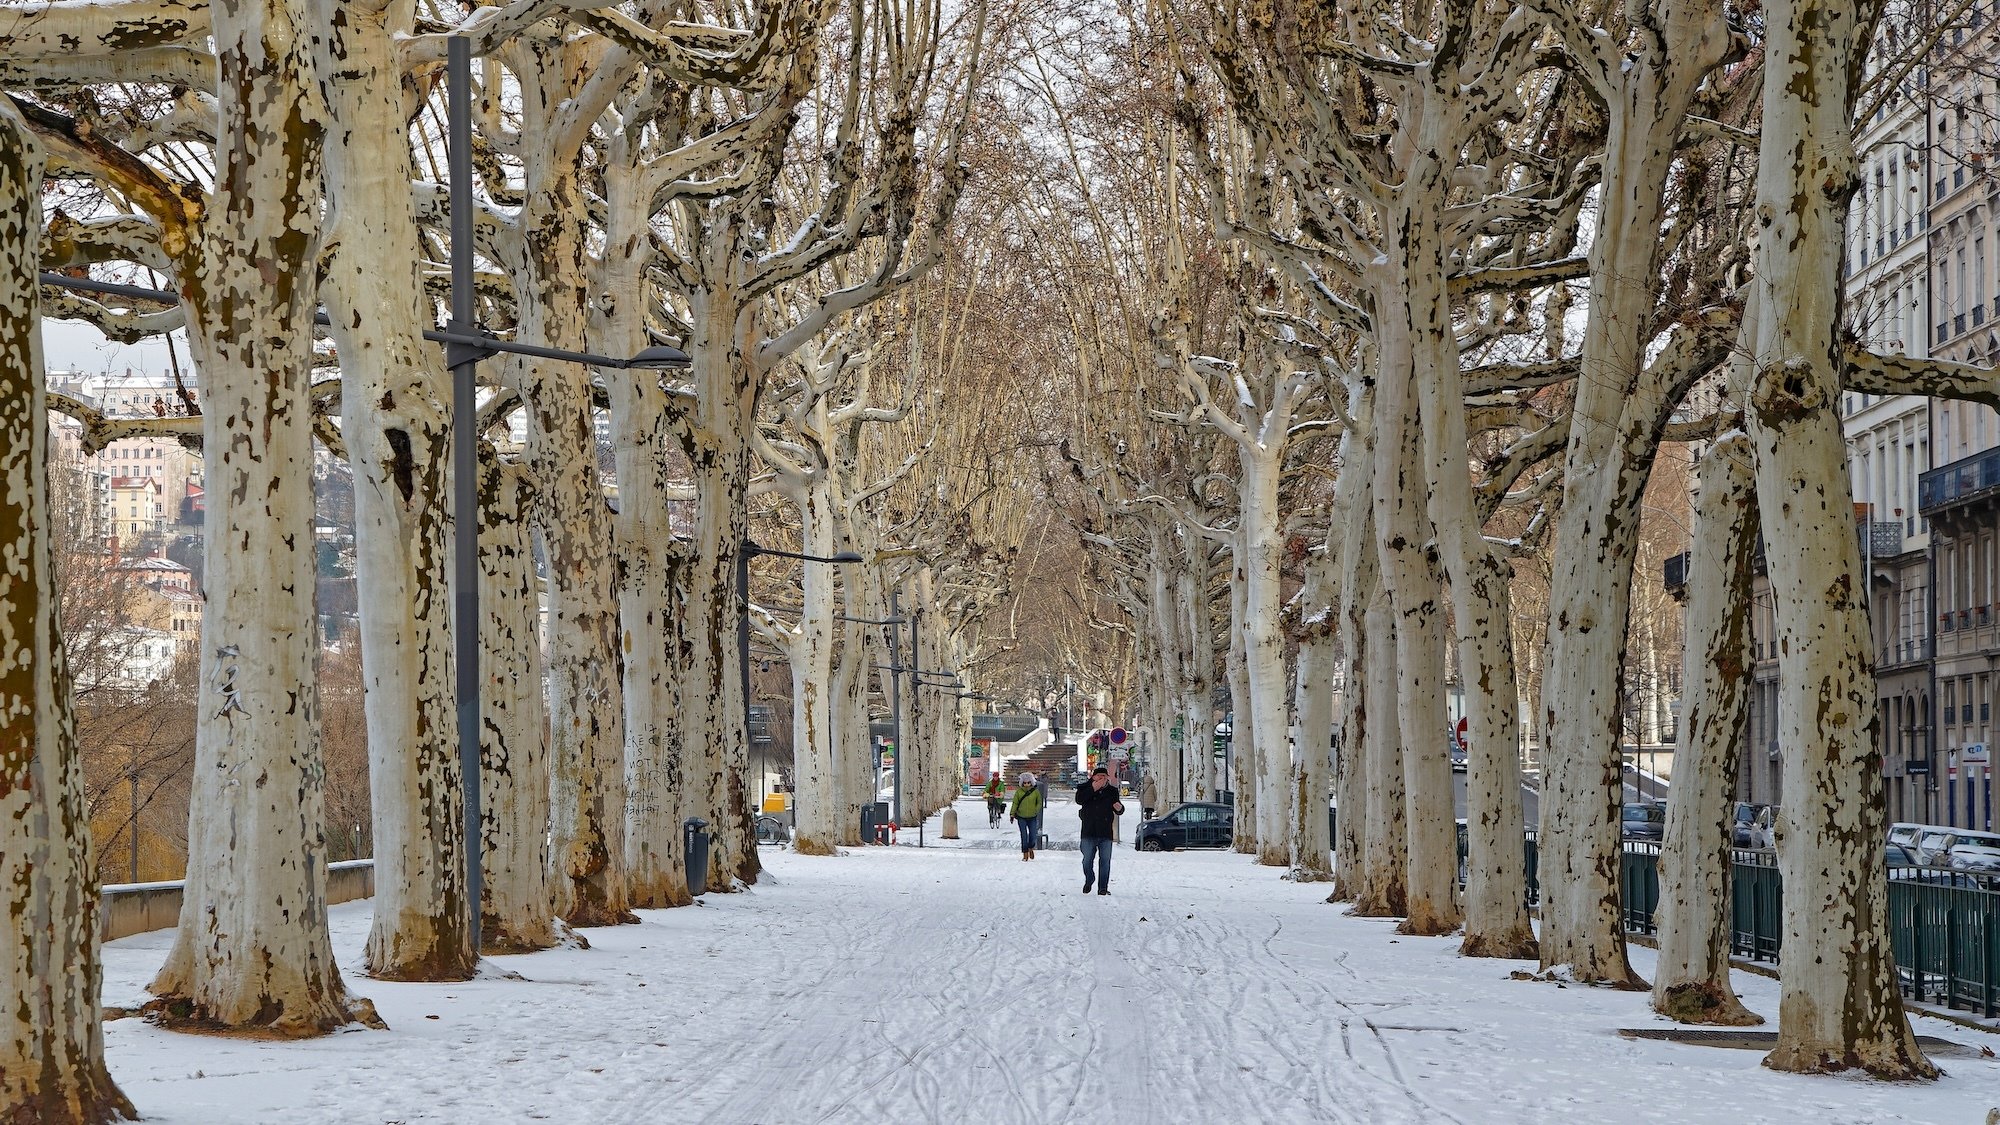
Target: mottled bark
1620, 410
1382, 889
393, 427
719, 453
52, 1068
654, 568
1312, 752
517, 905
1838, 1003
252, 950
1691, 983
1243, 732
586, 703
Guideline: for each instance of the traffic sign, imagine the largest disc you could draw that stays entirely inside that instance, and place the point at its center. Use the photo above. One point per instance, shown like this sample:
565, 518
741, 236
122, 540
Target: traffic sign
1117, 736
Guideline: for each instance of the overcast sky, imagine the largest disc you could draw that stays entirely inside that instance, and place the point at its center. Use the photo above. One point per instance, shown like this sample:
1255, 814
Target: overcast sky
71, 345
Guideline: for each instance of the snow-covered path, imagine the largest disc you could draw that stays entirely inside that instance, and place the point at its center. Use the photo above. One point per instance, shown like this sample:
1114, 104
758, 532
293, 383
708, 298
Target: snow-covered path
959, 984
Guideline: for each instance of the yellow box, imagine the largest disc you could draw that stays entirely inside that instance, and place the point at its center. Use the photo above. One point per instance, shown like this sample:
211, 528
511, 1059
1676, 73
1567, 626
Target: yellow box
777, 802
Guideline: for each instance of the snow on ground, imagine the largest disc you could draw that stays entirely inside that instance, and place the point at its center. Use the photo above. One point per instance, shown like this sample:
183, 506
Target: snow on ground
957, 984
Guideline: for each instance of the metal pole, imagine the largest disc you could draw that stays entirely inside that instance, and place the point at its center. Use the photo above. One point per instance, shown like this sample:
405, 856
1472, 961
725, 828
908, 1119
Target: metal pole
916, 687
743, 652
465, 470
896, 704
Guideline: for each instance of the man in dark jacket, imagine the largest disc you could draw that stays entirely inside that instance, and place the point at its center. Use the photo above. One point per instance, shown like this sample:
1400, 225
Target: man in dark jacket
1097, 802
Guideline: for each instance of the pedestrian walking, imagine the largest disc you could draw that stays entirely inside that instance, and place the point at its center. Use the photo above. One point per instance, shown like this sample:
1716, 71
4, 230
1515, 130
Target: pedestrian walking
1029, 801
1149, 796
1097, 802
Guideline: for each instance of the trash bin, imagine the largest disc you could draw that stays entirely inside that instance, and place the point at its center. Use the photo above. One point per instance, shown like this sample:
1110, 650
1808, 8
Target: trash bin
694, 842
868, 823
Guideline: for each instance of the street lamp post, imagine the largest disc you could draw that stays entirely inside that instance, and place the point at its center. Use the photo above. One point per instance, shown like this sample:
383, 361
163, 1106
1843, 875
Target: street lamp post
466, 343
745, 551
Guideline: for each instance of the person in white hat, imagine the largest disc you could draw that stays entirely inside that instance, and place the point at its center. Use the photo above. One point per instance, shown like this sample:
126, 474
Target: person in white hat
1029, 801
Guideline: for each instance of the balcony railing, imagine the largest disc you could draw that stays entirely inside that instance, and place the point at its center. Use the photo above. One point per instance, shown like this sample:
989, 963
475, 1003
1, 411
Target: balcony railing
1965, 479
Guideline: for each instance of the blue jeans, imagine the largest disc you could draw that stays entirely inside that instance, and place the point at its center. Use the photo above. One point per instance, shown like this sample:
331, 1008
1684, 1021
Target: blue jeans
1031, 830
1100, 847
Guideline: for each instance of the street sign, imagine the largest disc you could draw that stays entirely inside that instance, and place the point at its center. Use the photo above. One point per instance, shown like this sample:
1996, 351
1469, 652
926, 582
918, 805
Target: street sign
1458, 733
1973, 755
1117, 736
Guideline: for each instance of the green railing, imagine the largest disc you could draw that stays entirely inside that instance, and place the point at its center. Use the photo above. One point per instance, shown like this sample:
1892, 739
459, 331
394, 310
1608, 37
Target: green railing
1944, 925
1531, 855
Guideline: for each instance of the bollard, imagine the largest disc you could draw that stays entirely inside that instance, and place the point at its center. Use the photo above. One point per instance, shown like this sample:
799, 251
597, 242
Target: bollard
950, 819
695, 844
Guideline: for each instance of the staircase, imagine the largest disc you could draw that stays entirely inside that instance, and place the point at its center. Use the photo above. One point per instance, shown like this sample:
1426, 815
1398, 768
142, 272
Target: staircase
1047, 763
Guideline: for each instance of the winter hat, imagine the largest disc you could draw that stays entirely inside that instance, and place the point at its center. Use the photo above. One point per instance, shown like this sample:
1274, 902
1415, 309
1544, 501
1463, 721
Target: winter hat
1027, 778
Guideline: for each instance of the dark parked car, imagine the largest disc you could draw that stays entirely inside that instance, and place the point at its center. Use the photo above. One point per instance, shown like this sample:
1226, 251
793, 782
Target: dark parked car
1200, 825
1899, 856
1644, 822
1743, 827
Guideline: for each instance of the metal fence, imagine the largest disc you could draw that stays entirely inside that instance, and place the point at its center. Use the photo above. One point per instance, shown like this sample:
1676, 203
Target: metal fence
1944, 924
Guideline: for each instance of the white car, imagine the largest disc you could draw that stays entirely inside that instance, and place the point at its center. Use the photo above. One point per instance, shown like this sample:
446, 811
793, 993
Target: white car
1975, 857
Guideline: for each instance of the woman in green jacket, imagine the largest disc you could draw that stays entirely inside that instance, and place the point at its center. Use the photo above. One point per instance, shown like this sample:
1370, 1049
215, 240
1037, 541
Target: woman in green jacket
1029, 800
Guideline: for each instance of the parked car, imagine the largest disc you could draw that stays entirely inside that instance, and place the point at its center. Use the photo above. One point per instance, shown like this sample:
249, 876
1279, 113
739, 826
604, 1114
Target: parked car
1458, 758
1900, 856
1745, 826
1934, 845
1906, 834
1195, 825
1979, 856
1646, 821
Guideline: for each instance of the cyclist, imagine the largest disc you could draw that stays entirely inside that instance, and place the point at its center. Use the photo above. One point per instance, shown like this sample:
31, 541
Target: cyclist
996, 800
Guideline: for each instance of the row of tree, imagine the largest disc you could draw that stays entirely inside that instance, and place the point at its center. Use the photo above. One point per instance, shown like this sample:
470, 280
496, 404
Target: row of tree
1411, 299
751, 182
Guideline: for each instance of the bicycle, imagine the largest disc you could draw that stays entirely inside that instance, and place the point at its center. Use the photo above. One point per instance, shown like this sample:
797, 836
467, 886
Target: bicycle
995, 810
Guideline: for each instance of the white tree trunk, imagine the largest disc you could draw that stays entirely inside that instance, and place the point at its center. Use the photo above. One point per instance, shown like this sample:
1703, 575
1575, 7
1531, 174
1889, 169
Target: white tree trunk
252, 949
815, 747
1614, 435
1243, 733
1691, 983
52, 1068
653, 566
861, 644
1197, 660
586, 708
1412, 582
1353, 529
718, 774
1838, 1005
1382, 890
399, 447
1259, 545
517, 905
1312, 769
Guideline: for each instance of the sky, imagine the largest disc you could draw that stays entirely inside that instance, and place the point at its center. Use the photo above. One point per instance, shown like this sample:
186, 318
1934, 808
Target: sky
72, 345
